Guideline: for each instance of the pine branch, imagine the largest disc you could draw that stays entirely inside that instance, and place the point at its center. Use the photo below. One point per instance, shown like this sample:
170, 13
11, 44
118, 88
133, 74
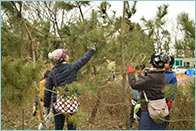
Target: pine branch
51, 36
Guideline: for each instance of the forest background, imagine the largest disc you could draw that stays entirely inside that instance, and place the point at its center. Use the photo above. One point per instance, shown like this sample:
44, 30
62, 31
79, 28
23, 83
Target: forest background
32, 29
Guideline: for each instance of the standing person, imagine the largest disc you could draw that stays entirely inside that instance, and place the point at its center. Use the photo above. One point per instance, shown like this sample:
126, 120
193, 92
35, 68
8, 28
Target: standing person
41, 98
152, 84
42, 86
65, 74
170, 76
172, 80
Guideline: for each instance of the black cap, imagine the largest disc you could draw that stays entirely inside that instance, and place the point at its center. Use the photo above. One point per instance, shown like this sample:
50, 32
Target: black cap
158, 60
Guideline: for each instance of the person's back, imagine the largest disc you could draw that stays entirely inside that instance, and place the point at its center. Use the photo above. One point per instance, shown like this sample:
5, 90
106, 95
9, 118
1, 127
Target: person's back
152, 86
153, 83
65, 74
62, 74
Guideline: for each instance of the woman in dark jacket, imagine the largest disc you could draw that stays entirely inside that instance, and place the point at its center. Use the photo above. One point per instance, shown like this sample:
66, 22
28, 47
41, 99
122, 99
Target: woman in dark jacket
152, 84
65, 74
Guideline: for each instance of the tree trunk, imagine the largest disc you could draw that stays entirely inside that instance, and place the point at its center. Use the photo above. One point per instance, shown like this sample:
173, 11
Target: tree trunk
125, 93
27, 29
81, 12
94, 111
31, 40
22, 119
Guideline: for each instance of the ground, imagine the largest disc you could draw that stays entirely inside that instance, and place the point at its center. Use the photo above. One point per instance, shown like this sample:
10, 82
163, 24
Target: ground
110, 113
109, 116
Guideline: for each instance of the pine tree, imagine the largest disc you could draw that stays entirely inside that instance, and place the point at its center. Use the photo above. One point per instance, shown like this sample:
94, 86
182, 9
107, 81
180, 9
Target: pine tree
77, 36
157, 31
185, 46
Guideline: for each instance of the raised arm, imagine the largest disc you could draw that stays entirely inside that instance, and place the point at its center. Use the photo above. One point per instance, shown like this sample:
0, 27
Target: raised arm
82, 61
141, 84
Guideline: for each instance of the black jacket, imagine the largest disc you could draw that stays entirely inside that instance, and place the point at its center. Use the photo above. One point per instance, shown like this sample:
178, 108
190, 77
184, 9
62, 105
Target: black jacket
65, 74
152, 84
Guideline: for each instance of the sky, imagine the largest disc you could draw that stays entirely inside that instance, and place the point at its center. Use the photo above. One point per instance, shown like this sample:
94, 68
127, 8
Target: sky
148, 9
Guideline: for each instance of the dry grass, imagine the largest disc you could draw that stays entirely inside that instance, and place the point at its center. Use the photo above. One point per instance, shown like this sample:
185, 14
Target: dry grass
182, 112
110, 113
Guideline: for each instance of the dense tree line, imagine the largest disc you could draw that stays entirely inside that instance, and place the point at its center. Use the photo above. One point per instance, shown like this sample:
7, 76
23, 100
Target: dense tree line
32, 29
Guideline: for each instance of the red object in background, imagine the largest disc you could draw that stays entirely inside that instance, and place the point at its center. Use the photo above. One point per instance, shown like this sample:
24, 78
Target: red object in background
169, 104
130, 69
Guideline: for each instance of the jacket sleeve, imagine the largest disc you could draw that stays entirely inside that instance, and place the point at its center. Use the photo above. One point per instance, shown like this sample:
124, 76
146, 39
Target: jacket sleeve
142, 84
82, 61
47, 94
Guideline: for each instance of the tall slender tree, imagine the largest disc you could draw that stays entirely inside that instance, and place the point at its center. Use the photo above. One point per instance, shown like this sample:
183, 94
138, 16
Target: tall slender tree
157, 31
185, 46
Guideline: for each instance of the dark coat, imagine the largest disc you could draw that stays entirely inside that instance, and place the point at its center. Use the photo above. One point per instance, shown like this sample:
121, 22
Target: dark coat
65, 74
152, 84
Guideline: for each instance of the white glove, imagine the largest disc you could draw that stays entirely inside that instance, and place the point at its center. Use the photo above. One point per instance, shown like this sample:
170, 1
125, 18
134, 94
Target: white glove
40, 126
94, 49
45, 111
34, 110
48, 123
133, 102
93, 46
48, 118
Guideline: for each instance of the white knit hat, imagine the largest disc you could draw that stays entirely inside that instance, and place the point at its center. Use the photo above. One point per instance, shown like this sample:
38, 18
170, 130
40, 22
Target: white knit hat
57, 55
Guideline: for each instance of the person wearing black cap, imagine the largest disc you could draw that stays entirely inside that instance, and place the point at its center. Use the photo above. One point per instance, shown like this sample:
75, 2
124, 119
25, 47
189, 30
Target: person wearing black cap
152, 84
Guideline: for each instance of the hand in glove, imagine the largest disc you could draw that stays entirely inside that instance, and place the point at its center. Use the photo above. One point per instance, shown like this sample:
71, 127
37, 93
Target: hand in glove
130, 69
34, 109
45, 111
77, 92
35, 104
169, 104
93, 46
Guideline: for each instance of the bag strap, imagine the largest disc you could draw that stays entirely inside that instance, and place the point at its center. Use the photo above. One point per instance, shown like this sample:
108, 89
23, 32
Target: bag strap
55, 84
145, 96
